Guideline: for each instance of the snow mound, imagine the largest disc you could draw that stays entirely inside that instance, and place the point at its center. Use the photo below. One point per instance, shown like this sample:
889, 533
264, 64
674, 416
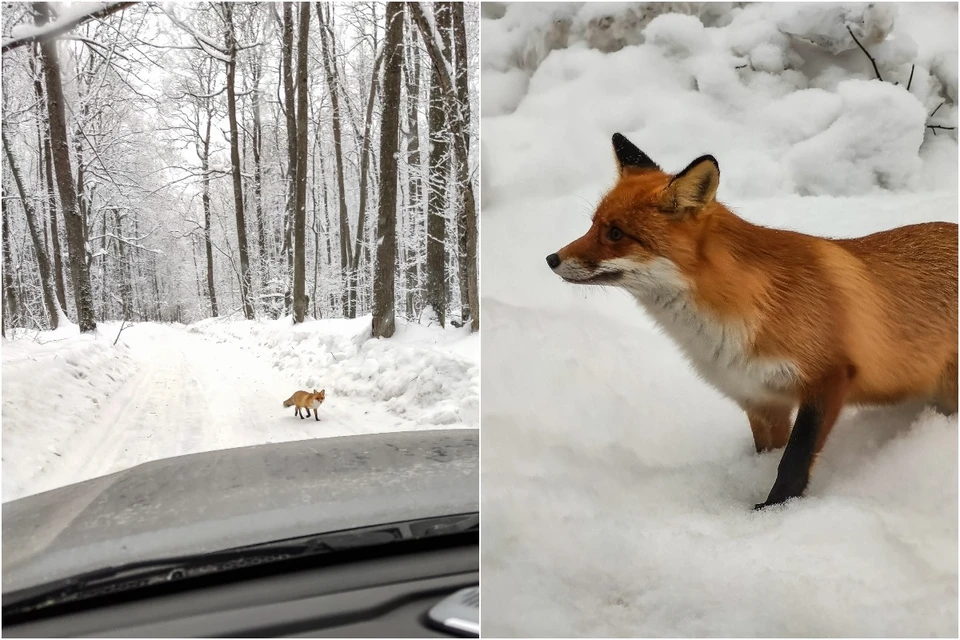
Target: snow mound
751, 85
424, 374
875, 141
829, 25
55, 385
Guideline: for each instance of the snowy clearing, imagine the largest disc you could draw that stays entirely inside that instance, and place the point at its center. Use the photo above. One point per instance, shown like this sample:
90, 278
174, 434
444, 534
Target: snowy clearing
617, 486
167, 390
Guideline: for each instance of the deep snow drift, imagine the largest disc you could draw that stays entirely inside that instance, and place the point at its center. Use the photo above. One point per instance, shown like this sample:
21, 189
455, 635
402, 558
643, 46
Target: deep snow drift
77, 407
617, 486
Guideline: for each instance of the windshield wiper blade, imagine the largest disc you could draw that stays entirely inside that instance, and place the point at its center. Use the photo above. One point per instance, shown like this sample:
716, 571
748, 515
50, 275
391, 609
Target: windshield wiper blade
139, 575
445, 527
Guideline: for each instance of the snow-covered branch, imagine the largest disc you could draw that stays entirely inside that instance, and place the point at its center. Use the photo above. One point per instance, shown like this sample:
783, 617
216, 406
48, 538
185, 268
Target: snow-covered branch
68, 20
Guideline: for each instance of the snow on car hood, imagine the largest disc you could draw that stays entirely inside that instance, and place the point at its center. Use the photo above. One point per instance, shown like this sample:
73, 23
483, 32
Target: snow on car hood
221, 499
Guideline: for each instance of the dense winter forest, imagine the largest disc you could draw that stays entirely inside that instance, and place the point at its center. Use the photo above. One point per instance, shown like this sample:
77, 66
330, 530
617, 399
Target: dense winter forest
178, 161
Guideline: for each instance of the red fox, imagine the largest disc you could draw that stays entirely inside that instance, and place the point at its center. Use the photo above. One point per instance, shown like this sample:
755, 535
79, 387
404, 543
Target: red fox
777, 319
306, 400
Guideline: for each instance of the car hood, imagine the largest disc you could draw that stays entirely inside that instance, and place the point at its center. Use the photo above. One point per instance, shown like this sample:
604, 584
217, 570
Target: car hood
222, 499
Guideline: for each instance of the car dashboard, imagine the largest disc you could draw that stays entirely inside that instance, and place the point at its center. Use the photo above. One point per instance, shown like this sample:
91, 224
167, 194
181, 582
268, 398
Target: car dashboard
390, 596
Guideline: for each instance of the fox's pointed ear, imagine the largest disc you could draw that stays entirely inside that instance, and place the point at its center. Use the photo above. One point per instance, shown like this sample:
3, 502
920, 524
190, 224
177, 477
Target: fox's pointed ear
693, 188
630, 157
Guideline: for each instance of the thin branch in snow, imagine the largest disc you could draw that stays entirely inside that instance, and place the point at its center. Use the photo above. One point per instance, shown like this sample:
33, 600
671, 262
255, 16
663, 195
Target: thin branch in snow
867, 53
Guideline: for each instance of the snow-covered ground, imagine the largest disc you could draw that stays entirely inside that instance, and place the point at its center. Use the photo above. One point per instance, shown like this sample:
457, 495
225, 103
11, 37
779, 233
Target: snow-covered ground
617, 486
77, 407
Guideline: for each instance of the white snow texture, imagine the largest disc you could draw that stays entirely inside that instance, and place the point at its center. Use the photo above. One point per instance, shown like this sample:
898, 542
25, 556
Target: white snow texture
618, 487
167, 390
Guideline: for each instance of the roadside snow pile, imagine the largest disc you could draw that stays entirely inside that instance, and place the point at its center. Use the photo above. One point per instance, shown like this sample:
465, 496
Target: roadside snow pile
54, 384
423, 374
751, 85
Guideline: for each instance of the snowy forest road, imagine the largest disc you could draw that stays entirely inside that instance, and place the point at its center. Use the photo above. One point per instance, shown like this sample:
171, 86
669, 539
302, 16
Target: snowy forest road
187, 393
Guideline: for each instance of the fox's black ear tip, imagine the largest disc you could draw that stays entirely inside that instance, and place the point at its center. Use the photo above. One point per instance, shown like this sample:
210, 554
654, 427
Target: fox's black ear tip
618, 138
705, 158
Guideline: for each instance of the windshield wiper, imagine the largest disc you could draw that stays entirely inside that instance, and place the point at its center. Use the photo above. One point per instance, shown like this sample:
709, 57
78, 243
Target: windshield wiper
139, 575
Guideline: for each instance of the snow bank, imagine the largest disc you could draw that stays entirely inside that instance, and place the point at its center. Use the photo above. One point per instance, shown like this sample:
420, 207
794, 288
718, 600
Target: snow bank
54, 387
423, 374
874, 141
750, 85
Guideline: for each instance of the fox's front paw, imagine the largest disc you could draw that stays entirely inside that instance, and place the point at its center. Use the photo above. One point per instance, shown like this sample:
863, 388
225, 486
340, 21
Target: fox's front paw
763, 505
773, 502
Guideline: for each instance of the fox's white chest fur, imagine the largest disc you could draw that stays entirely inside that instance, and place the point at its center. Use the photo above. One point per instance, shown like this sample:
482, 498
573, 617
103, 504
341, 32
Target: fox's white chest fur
719, 351
314, 404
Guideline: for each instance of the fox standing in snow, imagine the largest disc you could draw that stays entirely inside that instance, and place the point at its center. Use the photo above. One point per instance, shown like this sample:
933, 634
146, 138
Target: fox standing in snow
306, 400
777, 319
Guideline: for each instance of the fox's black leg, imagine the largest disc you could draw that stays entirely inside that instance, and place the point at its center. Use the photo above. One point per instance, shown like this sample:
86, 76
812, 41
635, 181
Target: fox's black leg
308, 411
296, 411
794, 470
815, 419
315, 416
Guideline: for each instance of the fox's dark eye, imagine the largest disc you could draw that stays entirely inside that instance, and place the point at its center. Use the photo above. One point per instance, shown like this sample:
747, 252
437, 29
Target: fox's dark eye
615, 234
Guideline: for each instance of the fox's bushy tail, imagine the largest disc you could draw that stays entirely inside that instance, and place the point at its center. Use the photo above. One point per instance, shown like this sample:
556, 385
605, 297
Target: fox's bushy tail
288, 402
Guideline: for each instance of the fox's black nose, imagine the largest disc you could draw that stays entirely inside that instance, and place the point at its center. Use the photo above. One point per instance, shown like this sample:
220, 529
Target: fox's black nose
553, 261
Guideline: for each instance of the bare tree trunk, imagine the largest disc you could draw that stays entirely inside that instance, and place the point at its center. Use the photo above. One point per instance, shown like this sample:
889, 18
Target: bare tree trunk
54, 226
364, 171
289, 106
326, 217
257, 145
158, 316
78, 145
104, 290
384, 291
467, 215
46, 166
79, 267
412, 267
125, 294
11, 307
316, 234
205, 168
300, 232
43, 263
235, 162
196, 270
346, 258
436, 293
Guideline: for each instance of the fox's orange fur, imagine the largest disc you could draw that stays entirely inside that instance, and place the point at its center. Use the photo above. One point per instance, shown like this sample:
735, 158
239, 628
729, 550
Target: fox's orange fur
306, 400
774, 318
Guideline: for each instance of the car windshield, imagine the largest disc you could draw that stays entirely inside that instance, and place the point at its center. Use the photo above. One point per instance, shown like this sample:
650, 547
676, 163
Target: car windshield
240, 283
